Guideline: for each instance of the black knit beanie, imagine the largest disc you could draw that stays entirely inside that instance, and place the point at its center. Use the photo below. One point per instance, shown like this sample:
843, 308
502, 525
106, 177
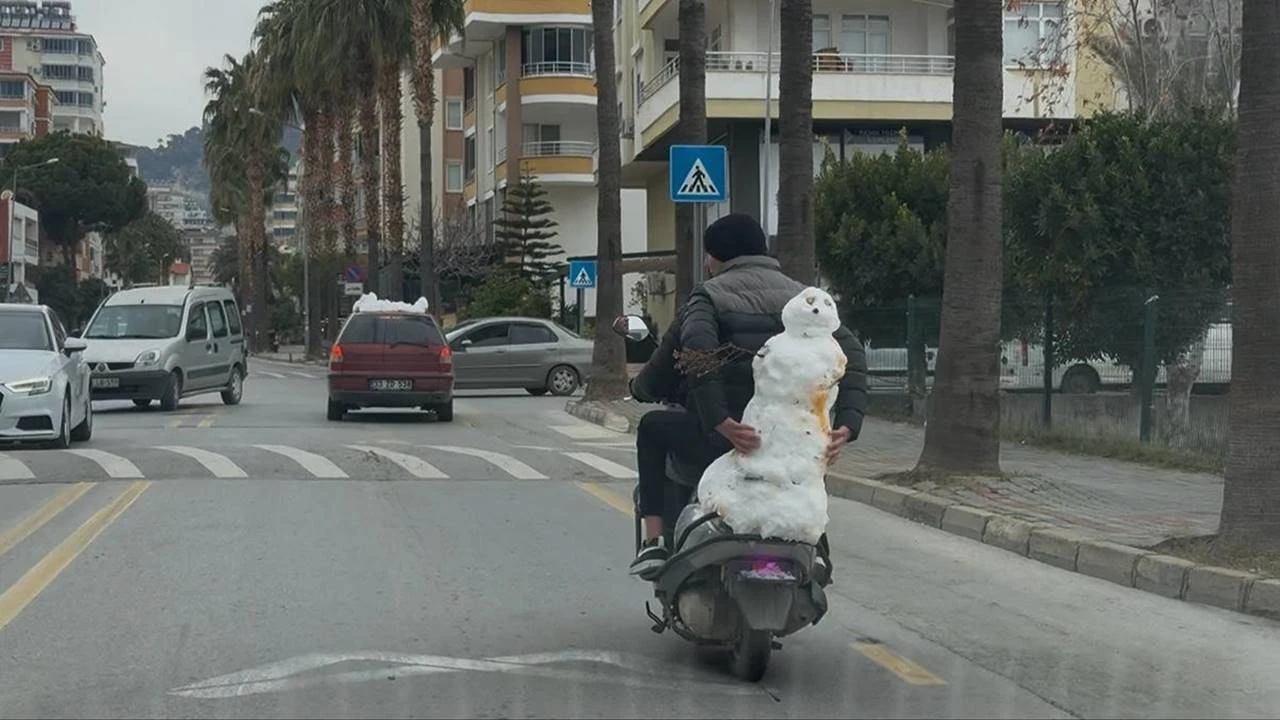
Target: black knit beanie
734, 235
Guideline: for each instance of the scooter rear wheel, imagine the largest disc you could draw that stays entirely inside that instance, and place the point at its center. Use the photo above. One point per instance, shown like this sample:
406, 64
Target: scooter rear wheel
751, 654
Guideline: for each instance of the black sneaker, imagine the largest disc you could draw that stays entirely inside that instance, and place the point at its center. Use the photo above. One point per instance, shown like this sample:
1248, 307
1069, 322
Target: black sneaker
649, 561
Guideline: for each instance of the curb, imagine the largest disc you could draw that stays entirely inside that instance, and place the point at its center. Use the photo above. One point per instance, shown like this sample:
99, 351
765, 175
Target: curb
1132, 567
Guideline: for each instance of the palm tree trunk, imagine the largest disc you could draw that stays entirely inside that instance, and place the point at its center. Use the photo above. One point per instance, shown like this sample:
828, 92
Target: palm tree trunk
692, 130
389, 98
608, 359
369, 181
347, 185
796, 249
424, 95
1251, 494
308, 190
325, 197
257, 222
962, 435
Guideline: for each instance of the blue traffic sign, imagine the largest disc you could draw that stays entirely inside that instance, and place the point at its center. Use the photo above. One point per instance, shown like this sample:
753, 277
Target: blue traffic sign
353, 273
698, 173
582, 274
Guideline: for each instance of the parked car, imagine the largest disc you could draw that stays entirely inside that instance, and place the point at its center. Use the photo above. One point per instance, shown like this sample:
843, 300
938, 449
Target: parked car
44, 381
512, 352
166, 343
393, 359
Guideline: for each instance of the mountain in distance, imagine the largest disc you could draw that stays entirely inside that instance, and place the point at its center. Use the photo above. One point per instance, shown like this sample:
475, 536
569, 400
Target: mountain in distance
179, 159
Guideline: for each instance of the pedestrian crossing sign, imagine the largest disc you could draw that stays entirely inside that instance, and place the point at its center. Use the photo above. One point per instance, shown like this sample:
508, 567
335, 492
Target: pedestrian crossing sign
699, 173
582, 274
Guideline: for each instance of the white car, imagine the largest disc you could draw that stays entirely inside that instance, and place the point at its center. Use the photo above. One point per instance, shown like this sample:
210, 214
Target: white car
44, 380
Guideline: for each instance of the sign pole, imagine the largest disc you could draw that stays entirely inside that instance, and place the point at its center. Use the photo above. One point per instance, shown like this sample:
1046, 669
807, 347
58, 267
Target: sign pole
581, 311
698, 174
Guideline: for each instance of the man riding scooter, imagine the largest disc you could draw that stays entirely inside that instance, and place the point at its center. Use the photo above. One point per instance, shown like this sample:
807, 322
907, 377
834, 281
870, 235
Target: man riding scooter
727, 318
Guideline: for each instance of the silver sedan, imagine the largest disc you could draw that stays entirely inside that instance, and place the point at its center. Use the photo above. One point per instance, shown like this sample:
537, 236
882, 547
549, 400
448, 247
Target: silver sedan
44, 381
513, 352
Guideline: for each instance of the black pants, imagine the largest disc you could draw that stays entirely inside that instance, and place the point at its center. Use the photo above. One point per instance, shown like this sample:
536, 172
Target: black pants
676, 432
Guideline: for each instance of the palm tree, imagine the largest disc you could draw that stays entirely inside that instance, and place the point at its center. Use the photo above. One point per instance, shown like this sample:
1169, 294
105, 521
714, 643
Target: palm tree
692, 22
389, 105
608, 359
1251, 494
242, 153
430, 18
796, 249
962, 436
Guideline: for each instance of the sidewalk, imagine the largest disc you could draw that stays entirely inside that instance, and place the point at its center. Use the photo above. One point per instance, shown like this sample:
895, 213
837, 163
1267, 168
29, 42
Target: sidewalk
1098, 498
287, 353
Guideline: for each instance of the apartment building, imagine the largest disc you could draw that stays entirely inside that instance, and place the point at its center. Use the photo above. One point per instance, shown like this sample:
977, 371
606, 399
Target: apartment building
43, 40
282, 220
20, 250
518, 96
26, 108
879, 66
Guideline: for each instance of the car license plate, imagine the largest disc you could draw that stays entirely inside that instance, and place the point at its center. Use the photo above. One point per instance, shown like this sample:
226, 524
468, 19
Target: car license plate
103, 383
390, 384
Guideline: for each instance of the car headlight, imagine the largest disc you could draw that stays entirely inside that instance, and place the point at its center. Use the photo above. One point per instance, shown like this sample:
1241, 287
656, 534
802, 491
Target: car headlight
150, 357
34, 386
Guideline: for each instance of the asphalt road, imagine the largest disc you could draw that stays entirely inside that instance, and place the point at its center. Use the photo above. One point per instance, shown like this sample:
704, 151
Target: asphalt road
259, 561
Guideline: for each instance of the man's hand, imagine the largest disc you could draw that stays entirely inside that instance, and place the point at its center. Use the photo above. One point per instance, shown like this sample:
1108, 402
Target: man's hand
743, 437
836, 442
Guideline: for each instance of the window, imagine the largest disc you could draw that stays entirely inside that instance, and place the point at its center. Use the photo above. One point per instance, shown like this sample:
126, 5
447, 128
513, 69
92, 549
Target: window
65, 46
534, 133
66, 97
468, 85
59, 332
197, 323
13, 89
500, 62
23, 330
557, 50
822, 32
233, 316
60, 72
522, 334
85, 99
84, 74
453, 176
493, 149
217, 320
136, 322
453, 114
864, 34
488, 336
469, 157
411, 330
1033, 34
713, 39
361, 328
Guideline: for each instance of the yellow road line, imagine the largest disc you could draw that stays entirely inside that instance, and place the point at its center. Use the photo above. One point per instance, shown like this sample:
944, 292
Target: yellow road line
608, 497
910, 672
29, 586
208, 421
176, 422
42, 515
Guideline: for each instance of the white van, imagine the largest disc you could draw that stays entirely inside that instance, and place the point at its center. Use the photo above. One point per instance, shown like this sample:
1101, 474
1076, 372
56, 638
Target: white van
166, 343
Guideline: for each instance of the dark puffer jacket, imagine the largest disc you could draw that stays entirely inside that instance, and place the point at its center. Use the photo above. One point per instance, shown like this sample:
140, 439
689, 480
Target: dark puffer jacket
742, 306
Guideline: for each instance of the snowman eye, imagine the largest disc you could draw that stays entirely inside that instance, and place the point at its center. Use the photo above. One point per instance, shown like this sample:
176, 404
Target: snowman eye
810, 299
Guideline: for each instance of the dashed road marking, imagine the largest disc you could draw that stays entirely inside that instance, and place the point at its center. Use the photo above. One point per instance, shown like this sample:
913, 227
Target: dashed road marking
584, 431
317, 465
220, 465
413, 465
113, 465
608, 497
608, 467
42, 515
506, 463
910, 672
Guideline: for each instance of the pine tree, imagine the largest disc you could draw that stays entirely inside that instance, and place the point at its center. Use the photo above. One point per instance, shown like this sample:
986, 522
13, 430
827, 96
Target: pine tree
525, 229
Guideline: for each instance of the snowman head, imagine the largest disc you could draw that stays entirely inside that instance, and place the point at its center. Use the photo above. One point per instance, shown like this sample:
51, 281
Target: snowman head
812, 313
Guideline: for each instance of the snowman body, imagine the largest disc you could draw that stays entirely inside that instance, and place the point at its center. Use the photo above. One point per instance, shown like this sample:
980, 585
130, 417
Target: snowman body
779, 490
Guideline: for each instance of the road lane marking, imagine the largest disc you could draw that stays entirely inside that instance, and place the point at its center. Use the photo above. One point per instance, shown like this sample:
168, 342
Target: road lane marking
29, 586
176, 422
220, 465
584, 432
304, 376
319, 466
415, 466
910, 672
506, 463
12, 468
608, 467
113, 465
42, 515
274, 375
608, 497
207, 421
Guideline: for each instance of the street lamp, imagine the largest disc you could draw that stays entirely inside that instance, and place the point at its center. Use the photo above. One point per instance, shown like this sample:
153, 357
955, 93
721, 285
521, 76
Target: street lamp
13, 219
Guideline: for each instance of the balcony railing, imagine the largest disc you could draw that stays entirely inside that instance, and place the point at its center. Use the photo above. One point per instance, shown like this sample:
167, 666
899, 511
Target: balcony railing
569, 148
580, 69
502, 154
852, 63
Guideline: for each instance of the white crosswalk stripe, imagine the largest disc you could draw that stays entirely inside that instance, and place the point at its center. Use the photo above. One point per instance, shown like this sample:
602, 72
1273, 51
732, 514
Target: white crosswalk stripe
220, 465
585, 431
505, 463
113, 465
274, 375
317, 465
415, 466
12, 468
608, 467
305, 376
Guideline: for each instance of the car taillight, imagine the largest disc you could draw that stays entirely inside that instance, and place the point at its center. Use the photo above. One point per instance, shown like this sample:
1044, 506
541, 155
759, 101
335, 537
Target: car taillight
446, 355
336, 357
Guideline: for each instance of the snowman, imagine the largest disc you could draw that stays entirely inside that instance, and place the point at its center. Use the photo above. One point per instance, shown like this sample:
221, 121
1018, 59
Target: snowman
779, 490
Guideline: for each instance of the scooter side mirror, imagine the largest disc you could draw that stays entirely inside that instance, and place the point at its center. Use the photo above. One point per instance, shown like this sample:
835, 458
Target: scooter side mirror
631, 327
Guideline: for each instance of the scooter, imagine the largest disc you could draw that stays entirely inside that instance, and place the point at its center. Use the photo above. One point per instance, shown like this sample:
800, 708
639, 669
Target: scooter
729, 590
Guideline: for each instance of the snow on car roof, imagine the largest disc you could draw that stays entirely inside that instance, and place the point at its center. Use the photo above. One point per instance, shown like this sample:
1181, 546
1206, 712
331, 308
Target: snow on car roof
370, 302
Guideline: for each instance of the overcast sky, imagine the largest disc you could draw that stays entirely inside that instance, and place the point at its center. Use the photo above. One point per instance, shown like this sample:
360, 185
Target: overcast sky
156, 51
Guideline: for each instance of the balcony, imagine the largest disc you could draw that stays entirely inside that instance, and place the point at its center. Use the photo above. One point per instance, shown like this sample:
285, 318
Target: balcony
558, 82
560, 162
845, 86
487, 20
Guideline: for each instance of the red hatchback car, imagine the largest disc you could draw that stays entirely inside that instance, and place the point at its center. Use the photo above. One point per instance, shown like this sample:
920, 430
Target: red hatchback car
391, 359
